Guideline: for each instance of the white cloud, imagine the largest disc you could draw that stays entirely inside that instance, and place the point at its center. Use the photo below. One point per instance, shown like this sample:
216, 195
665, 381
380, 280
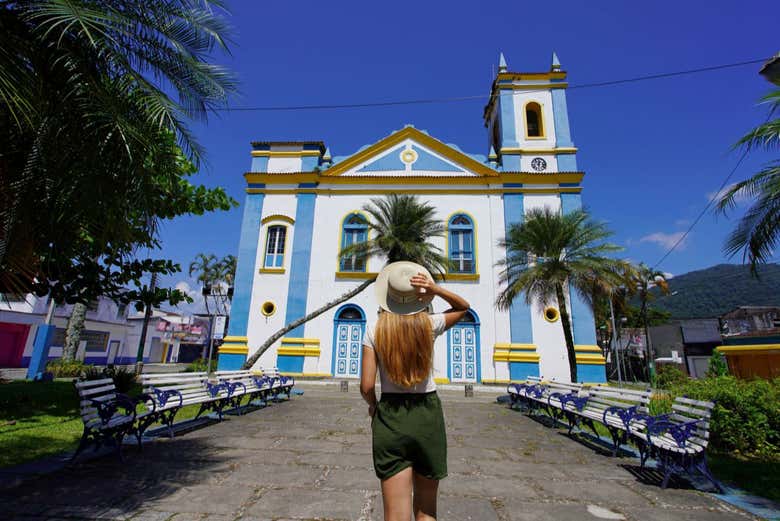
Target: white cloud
668, 275
740, 198
193, 291
665, 240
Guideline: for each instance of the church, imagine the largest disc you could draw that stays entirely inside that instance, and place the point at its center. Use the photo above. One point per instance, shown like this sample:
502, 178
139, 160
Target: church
303, 205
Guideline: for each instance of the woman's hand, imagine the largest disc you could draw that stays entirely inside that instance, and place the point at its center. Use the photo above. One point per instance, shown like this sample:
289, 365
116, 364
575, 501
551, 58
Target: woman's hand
371, 411
423, 284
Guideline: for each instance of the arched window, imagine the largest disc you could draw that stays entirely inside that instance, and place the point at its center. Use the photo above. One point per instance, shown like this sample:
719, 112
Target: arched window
354, 230
461, 244
534, 126
274, 246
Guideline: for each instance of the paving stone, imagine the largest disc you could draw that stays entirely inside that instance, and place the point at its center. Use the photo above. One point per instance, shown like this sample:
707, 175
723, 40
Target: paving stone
318, 504
532, 511
601, 492
455, 508
311, 459
204, 499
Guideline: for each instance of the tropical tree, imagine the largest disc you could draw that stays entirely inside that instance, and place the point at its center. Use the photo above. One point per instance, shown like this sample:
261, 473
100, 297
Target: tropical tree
757, 233
227, 269
400, 228
547, 255
206, 267
94, 102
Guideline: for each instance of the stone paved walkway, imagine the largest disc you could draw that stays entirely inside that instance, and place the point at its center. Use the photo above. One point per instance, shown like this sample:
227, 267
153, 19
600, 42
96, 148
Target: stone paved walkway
311, 459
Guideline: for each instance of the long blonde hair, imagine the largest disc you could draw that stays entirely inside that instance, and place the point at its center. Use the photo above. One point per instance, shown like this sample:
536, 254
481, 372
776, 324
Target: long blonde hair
404, 344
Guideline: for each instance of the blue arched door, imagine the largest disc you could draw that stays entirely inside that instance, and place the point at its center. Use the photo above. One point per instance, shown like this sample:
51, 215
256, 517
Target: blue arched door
463, 350
348, 328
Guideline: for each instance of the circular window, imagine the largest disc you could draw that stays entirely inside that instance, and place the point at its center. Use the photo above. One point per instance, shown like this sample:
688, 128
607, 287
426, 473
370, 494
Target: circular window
268, 308
551, 314
408, 156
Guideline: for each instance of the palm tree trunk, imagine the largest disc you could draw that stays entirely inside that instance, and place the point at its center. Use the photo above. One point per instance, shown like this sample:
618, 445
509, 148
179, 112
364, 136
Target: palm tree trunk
252, 360
567, 335
73, 331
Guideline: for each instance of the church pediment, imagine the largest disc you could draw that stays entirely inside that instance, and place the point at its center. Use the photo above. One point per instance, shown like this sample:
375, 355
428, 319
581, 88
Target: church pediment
409, 152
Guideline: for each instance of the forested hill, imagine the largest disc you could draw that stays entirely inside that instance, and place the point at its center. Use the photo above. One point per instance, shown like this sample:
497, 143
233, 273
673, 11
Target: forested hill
710, 292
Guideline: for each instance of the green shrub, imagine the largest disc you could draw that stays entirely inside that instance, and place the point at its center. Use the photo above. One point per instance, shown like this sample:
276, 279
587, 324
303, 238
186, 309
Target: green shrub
199, 365
717, 366
661, 403
669, 376
746, 417
124, 379
93, 373
67, 368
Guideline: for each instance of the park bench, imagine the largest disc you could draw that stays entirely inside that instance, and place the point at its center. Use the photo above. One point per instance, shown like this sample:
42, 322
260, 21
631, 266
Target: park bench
109, 416
558, 396
172, 391
257, 387
678, 440
280, 384
615, 408
518, 391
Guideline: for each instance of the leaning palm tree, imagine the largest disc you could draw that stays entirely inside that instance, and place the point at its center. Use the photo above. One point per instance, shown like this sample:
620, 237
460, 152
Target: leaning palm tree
227, 269
205, 266
757, 233
547, 254
401, 227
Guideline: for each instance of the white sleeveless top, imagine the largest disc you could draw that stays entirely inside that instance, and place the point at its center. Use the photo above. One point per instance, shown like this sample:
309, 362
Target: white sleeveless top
438, 325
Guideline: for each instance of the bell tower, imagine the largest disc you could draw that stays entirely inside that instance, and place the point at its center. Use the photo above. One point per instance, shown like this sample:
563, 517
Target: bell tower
528, 121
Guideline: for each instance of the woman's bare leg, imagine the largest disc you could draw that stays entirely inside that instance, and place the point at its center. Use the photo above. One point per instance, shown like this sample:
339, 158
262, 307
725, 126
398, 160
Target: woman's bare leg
397, 496
425, 494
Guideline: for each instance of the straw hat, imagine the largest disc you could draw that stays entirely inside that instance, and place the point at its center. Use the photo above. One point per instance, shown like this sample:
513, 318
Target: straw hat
395, 293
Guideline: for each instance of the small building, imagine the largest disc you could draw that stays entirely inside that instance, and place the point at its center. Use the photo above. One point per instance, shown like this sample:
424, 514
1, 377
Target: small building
751, 341
110, 336
689, 341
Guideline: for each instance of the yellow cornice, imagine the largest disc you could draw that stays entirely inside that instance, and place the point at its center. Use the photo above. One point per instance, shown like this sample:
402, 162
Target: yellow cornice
276, 271
239, 339
514, 347
441, 380
307, 341
531, 86
500, 178
587, 349
745, 349
277, 217
590, 359
356, 275
556, 150
423, 139
524, 76
298, 351
457, 277
225, 349
422, 191
284, 153
516, 356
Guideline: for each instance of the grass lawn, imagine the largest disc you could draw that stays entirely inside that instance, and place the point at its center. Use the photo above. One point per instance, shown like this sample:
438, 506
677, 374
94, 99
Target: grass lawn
39, 419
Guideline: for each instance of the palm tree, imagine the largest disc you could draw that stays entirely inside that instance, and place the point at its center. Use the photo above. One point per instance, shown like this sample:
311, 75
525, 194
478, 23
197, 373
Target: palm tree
206, 267
227, 269
645, 278
757, 233
88, 91
549, 253
400, 228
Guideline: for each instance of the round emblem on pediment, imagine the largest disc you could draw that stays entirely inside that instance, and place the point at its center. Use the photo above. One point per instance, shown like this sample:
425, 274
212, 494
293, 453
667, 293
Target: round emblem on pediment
538, 164
409, 156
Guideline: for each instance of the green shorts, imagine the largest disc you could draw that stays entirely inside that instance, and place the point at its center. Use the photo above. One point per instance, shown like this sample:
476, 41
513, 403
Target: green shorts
408, 431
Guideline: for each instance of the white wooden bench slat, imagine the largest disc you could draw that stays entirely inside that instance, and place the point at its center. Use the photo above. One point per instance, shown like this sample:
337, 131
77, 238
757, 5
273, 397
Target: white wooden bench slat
93, 383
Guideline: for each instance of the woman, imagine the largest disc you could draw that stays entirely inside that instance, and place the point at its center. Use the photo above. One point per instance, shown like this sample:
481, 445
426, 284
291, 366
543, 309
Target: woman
409, 441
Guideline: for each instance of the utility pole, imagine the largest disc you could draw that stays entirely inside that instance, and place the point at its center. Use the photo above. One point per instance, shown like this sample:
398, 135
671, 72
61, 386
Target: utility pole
612, 342
139, 359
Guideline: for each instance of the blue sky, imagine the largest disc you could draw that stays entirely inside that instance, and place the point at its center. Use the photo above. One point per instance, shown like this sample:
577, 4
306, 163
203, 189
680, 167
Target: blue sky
653, 151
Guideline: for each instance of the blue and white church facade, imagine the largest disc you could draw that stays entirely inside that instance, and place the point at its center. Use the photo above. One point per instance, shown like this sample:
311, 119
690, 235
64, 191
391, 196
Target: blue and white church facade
303, 206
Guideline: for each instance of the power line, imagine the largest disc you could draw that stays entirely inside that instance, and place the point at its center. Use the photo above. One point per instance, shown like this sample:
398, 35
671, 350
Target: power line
284, 108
